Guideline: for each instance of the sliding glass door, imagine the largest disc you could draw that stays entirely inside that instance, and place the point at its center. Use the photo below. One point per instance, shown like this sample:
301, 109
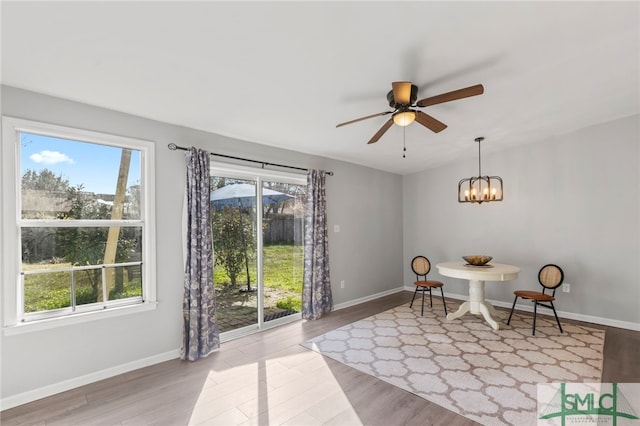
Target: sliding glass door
258, 237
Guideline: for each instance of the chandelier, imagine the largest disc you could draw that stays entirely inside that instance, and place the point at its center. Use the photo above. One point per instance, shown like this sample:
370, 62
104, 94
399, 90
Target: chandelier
480, 189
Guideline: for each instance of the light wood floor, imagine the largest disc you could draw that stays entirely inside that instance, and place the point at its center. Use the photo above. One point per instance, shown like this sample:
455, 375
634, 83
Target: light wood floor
269, 379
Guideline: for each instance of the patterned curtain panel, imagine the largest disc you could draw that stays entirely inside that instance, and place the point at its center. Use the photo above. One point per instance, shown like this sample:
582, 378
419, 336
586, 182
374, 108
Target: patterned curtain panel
316, 288
200, 333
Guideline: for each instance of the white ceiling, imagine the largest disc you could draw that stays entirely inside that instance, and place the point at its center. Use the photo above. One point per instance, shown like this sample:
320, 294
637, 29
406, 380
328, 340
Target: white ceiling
284, 74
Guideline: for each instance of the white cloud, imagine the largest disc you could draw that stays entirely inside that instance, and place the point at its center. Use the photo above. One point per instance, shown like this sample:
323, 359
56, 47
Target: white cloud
51, 157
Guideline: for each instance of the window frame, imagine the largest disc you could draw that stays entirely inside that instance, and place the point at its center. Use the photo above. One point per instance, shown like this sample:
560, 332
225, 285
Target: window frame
12, 223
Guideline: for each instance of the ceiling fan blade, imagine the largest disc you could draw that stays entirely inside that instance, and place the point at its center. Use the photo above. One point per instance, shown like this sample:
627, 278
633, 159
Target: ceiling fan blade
402, 92
478, 89
363, 118
429, 122
380, 132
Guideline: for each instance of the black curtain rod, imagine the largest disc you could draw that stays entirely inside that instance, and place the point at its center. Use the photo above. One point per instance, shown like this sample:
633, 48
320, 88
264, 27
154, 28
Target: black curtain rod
173, 147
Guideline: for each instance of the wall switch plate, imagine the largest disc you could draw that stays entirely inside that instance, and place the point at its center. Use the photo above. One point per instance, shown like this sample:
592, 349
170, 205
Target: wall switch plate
336, 228
566, 288
342, 284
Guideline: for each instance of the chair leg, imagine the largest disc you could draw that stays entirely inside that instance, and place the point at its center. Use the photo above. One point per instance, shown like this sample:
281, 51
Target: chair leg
422, 310
414, 296
430, 299
556, 315
535, 311
512, 308
443, 302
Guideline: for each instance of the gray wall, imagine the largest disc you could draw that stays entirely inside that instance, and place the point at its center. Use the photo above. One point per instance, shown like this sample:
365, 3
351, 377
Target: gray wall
571, 200
366, 254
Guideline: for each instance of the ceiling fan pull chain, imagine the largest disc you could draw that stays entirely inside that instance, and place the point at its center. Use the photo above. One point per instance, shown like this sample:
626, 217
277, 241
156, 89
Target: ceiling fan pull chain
404, 141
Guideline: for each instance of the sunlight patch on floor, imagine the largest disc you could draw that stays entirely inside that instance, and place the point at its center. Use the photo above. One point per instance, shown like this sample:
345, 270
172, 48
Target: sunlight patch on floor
293, 389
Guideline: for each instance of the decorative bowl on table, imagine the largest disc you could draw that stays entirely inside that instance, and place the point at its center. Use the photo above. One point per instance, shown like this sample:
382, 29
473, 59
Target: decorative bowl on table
477, 260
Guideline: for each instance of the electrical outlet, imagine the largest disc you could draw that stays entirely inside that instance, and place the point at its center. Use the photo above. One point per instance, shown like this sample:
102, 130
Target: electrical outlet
342, 284
566, 288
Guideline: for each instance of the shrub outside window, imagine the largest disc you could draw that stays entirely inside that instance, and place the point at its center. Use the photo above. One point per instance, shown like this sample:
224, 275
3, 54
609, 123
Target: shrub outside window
82, 229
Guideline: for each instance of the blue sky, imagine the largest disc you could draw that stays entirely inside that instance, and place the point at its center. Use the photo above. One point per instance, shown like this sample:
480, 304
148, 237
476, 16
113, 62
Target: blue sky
95, 166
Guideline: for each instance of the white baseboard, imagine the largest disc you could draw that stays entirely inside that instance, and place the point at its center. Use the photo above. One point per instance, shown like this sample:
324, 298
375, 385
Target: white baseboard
368, 298
562, 314
45, 391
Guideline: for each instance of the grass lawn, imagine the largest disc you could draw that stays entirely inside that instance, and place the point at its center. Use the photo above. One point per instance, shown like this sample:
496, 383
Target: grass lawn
52, 290
283, 269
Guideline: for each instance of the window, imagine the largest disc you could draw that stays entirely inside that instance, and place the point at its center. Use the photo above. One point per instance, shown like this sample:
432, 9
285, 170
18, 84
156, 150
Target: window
79, 239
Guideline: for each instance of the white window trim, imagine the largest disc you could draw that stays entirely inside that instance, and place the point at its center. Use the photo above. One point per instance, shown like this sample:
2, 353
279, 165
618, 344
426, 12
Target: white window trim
10, 217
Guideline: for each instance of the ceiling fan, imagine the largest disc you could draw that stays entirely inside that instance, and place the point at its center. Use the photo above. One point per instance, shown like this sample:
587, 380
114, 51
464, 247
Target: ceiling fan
402, 98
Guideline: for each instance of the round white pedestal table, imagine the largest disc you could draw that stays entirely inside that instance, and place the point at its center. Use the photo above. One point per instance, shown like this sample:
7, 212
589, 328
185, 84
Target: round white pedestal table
477, 275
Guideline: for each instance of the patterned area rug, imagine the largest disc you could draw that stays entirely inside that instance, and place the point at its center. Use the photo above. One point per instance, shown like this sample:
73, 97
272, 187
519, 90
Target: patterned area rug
487, 375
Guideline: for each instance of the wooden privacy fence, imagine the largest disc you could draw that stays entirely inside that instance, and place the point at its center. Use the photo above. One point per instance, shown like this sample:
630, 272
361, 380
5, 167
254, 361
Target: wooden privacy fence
283, 228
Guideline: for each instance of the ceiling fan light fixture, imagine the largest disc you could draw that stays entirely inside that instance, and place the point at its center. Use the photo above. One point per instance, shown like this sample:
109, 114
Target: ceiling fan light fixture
404, 118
